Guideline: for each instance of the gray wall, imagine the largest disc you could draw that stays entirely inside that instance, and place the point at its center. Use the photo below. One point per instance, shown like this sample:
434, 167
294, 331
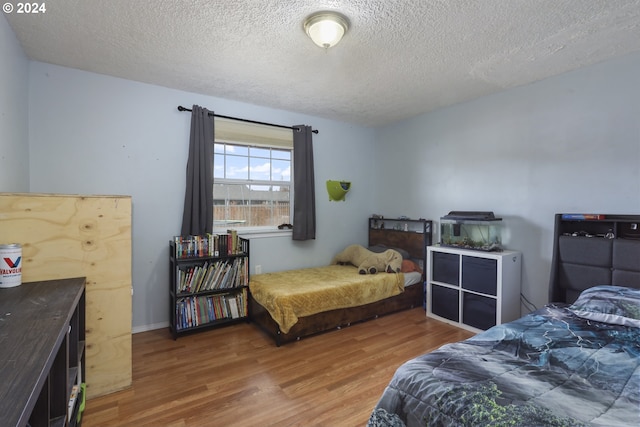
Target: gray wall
566, 144
93, 134
14, 112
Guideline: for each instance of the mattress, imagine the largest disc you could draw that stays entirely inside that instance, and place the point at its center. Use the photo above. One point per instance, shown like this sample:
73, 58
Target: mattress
288, 295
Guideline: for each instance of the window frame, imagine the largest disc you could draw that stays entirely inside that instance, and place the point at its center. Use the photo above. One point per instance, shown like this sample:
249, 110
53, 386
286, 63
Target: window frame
233, 132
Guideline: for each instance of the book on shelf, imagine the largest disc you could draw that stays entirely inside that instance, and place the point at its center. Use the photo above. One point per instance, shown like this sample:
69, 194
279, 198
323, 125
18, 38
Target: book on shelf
225, 279
232, 237
221, 274
207, 271
233, 307
193, 274
201, 310
189, 320
75, 390
215, 275
241, 300
209, 245
583, 217
188, 280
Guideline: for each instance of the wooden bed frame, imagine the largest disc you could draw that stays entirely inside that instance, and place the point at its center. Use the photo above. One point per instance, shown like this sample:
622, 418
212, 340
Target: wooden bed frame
412, 297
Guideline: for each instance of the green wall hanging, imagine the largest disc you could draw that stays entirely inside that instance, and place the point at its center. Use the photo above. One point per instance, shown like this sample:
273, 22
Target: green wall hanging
337, 190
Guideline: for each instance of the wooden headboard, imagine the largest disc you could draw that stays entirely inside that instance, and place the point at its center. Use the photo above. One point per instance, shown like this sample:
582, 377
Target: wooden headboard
591, 252
415, 243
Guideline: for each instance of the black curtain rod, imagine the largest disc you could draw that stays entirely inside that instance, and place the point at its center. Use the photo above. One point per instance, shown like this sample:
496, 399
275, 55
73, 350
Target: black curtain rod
181, 108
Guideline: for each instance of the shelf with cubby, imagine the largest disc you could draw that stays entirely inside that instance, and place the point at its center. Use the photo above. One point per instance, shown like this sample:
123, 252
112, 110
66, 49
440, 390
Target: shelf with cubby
43, 326
473, 289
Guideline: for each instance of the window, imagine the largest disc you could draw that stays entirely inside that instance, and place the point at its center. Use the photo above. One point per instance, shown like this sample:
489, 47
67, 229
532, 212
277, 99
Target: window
252, 178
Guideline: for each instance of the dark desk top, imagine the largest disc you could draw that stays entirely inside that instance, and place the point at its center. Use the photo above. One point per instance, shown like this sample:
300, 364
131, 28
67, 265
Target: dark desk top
34, 318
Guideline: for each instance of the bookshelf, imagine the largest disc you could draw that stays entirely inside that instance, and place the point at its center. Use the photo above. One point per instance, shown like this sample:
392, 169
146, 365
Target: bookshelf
43, 328
209, 281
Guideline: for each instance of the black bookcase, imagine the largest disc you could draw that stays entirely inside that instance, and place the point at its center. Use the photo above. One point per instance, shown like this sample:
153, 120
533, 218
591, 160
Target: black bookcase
209, 282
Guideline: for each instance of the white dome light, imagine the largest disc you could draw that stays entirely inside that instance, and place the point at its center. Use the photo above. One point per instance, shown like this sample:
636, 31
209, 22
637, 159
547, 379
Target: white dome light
326, 28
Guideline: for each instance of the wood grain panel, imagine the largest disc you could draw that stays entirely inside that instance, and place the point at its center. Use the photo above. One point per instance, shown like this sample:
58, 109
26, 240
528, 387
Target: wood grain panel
70, 236
411, 242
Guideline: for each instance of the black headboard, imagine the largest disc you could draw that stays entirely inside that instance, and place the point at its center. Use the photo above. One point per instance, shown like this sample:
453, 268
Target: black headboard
591, 250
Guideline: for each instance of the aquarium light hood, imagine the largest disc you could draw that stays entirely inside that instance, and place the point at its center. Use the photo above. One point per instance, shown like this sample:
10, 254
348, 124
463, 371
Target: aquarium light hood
471, 216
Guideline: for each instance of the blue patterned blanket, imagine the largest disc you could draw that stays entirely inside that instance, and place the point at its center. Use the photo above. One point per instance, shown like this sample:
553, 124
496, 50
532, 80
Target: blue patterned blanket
553, 367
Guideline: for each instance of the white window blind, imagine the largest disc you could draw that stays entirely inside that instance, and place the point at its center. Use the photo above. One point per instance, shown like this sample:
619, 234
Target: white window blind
252, 134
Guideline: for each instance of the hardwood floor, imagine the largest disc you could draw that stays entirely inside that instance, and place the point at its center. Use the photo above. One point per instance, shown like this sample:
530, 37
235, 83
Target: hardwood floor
236, 376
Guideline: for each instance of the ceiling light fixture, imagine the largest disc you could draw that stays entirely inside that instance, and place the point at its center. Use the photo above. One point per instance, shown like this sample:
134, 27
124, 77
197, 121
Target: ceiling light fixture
326, 28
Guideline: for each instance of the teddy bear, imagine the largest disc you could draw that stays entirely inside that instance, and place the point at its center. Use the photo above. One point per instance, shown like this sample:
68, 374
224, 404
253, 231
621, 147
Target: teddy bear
369, 262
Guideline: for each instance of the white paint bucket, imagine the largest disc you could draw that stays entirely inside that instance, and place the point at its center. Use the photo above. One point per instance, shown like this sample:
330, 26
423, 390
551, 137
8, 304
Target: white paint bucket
10, 265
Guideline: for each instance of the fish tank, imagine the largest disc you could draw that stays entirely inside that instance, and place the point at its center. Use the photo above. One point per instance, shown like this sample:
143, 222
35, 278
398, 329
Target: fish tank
480, 231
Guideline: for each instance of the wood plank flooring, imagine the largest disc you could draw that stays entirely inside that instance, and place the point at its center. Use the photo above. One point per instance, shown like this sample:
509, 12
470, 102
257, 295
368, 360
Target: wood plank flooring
236, 376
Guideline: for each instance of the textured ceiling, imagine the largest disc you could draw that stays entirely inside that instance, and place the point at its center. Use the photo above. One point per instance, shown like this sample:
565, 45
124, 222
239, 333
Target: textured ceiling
398, 60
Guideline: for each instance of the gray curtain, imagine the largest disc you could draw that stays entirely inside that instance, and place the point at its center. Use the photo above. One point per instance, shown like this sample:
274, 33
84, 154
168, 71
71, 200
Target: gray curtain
304, 199
197, 217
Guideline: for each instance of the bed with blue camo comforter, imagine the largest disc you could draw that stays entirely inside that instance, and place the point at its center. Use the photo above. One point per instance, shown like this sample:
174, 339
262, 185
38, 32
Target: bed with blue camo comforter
562, 365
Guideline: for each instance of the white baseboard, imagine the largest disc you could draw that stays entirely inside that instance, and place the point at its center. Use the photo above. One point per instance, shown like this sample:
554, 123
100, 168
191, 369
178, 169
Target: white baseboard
145, 328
